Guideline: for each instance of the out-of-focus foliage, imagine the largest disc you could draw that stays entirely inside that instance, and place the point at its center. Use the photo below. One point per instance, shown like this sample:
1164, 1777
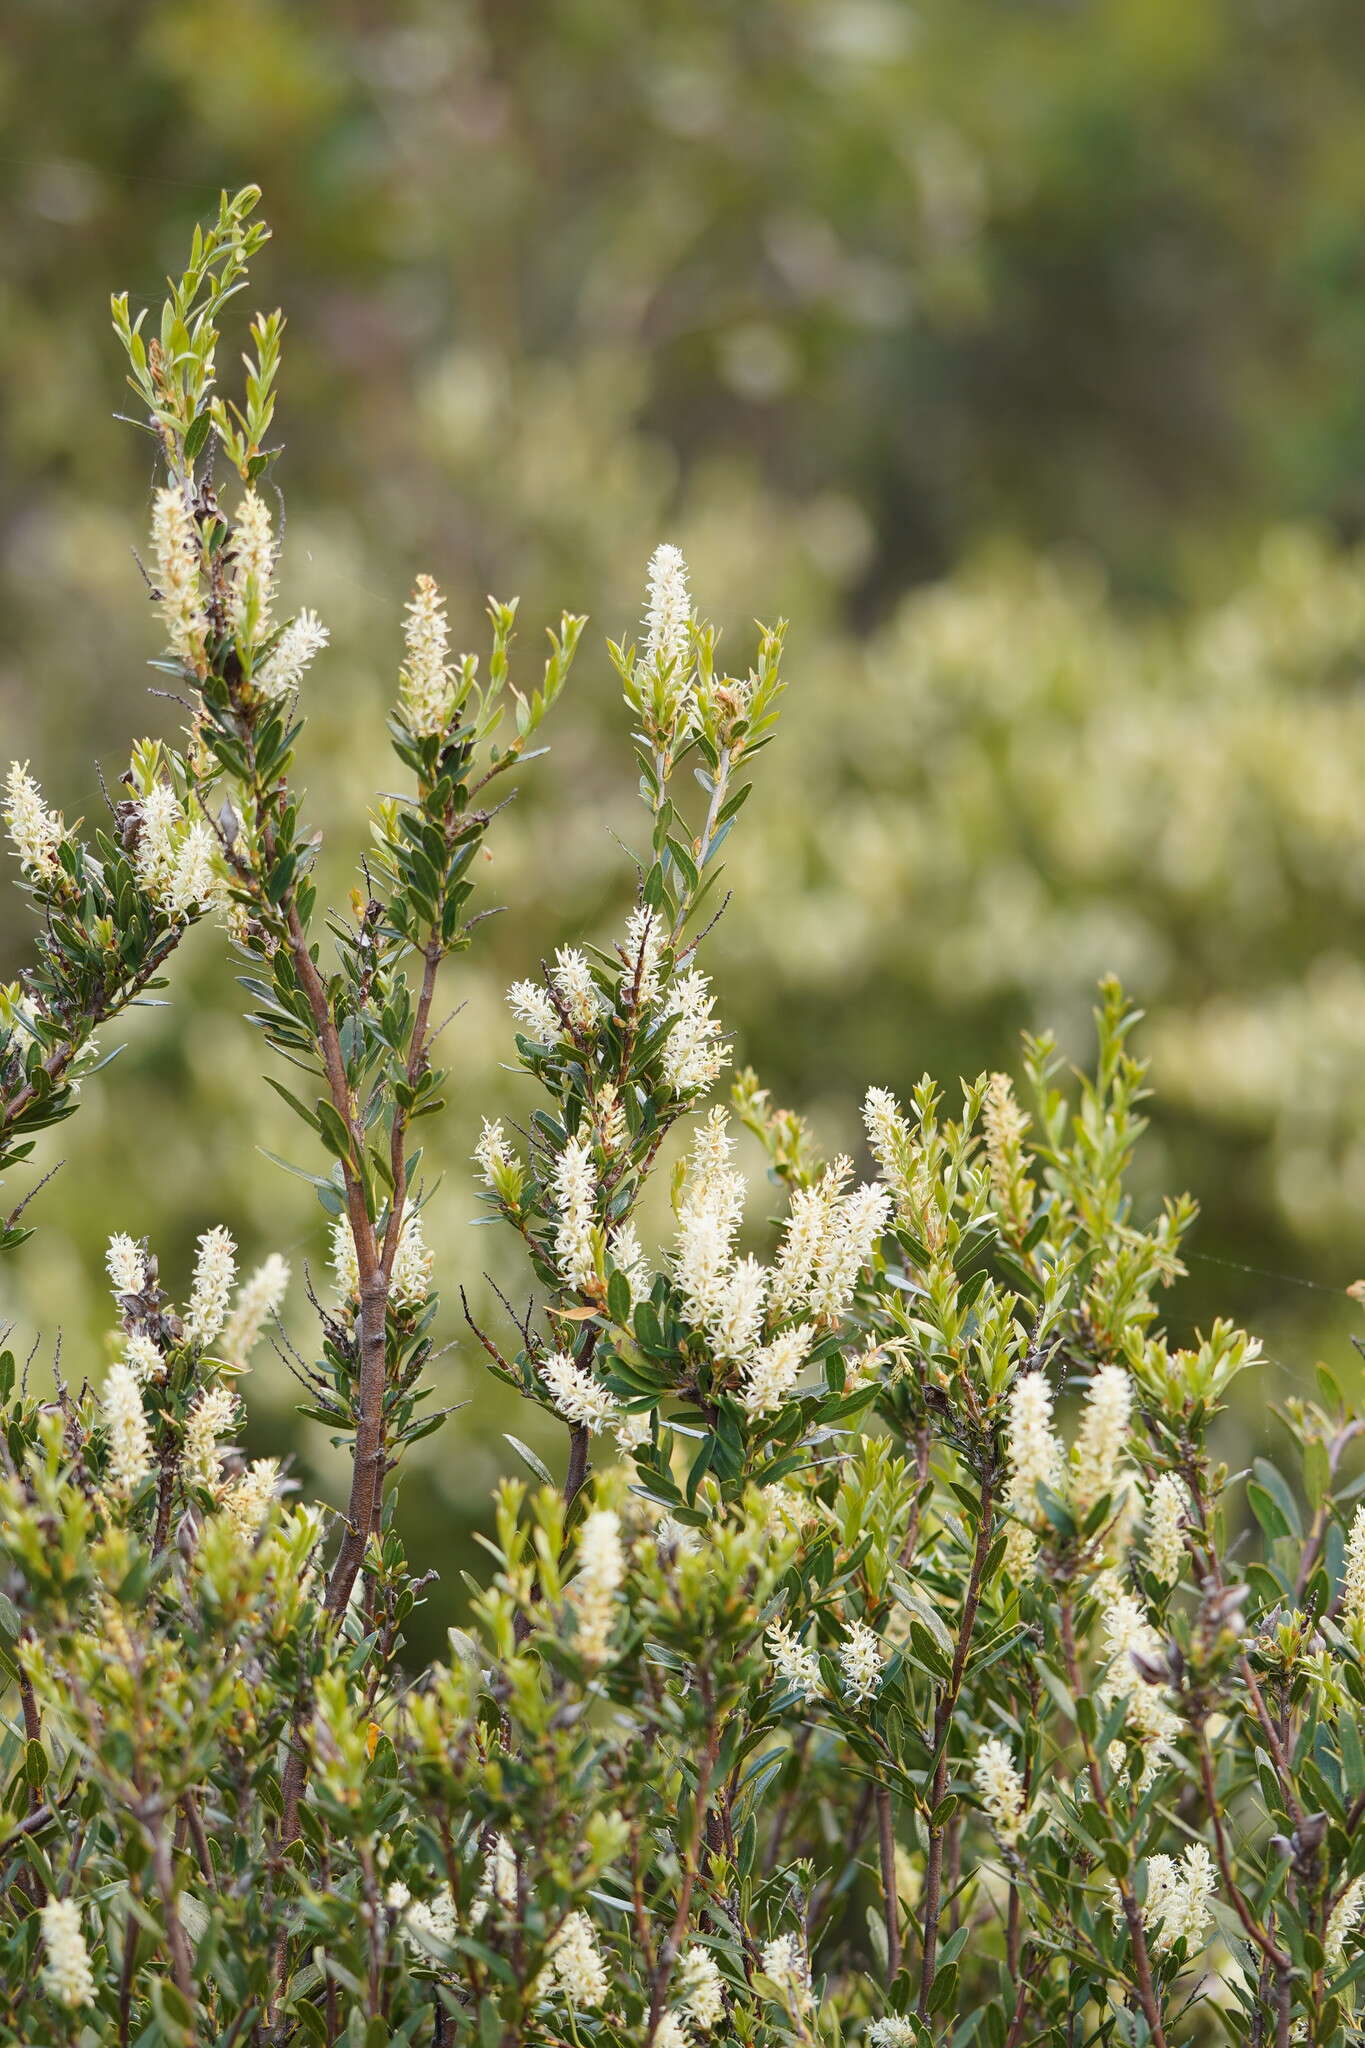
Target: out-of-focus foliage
838, 294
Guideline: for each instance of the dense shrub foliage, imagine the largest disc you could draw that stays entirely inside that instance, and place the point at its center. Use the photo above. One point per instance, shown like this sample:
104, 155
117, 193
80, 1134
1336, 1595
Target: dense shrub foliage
880, 1670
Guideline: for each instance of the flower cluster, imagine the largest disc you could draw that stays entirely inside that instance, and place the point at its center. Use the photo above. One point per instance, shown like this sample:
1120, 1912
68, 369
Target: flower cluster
797, 1668
1167, 1516
668, 615
1180, 1891
66, 1967
177, 856
1000, 1790
426, 688
1133, 1652
413, 1263
576, 1965
36, 833
292, 655
1097, 1469
214, 1272
748, 1311
595, 1590
861, 1657
130, 1438
176, 553
694, 1051
575, 1194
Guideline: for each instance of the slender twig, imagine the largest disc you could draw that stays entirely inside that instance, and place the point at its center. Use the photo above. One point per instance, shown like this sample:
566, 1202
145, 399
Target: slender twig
673, 1941
943, 1717
1132, 1912
198, 1835
574, 1481
886, 1839
126, 1974
181, 1968
1275, 1956
1214, 1572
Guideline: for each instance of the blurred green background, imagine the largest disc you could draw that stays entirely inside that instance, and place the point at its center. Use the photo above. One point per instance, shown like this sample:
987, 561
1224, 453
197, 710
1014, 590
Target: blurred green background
1013, 349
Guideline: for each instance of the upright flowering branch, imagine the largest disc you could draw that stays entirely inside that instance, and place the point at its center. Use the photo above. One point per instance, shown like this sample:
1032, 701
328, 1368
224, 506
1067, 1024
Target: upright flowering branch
359, 1027
625, 1042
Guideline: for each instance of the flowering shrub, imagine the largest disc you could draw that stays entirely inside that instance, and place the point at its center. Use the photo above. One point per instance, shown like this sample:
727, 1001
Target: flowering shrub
882, 1669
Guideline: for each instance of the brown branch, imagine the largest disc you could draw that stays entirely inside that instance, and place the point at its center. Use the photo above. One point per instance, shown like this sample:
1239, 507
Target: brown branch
1214, 1572
668, 1954
943, 1717
198, 1835
886, 1839
126, 1974
181, 1967
1026, 1983
1132, 1912
1279, 1962
30, 1881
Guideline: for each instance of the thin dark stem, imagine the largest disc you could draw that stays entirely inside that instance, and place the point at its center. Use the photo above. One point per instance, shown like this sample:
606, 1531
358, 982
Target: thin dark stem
673, 1941
1132, 1912
1283, 1995
576, 1476
943, 1718
29, 1880
198, 1835
1214, 1572
175, 1932
1274, 1955
574, 1481
886, 1837
125, 1982
1022, 2001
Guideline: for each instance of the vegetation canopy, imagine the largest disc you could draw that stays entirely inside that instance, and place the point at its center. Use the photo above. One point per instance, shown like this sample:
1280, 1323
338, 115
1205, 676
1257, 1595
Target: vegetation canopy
881, 1671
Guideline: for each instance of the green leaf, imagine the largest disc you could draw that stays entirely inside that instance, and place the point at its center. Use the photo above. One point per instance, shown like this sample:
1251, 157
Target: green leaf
1267, 1511
335, 1135
314, 2025
618, 1299
1275, 1485
528, 1458
196, 435
299, 1108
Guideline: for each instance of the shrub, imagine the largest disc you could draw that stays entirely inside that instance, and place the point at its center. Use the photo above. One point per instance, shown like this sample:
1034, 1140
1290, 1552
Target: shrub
881, 1669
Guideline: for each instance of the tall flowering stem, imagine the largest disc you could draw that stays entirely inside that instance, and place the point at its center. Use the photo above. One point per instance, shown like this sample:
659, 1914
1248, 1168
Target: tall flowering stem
624, 1043
358, 1026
